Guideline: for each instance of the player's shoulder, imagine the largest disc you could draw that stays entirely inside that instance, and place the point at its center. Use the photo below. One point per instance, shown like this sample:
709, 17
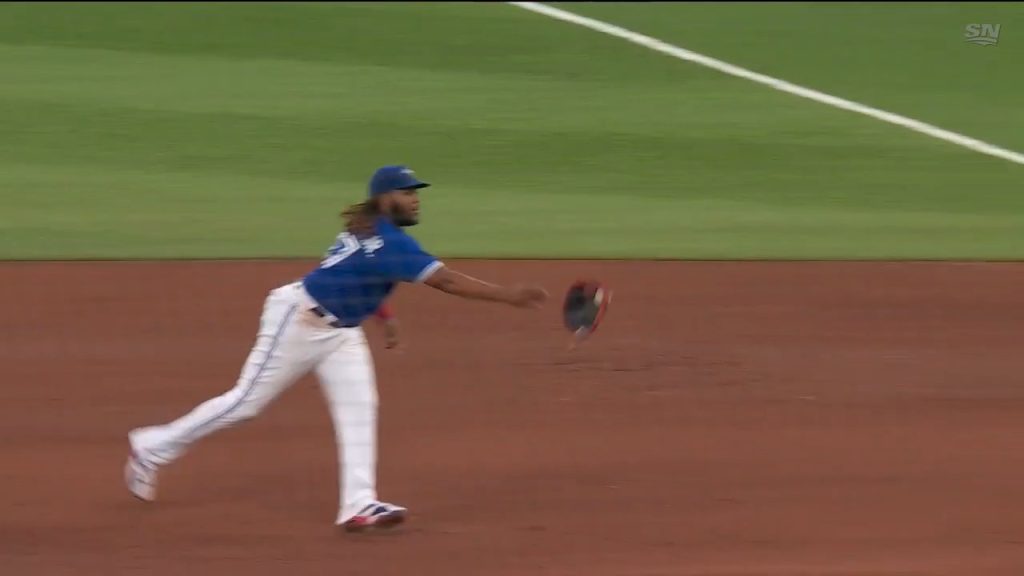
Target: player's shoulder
391, 234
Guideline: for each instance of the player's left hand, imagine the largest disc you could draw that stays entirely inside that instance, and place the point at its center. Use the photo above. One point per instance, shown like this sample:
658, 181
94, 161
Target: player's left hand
391, 333
585, 304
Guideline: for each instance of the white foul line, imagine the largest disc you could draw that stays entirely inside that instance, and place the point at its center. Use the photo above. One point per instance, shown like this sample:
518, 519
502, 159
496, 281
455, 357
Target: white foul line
782, 85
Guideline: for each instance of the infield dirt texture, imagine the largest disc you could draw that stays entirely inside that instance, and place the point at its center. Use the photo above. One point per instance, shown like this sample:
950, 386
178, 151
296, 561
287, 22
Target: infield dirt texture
729, 419
831, 417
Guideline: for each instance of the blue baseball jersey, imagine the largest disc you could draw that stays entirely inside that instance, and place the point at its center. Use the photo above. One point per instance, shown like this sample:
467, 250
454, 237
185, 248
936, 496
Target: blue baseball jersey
356, 275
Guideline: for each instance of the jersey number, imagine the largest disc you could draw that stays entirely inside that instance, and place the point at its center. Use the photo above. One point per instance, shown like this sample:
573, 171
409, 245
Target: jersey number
345, 246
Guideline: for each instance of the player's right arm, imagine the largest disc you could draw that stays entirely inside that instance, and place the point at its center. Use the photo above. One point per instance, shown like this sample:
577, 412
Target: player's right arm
458, 284
408, 262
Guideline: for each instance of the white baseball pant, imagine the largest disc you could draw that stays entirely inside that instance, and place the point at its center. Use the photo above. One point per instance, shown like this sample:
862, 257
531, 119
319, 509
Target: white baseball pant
291, 342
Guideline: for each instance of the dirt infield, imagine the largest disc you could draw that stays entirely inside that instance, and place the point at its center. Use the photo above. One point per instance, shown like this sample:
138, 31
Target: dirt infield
729, 419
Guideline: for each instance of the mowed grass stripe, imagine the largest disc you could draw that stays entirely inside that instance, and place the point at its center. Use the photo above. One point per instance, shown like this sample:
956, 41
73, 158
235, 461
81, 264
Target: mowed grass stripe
118, 145
905, 57
779, 84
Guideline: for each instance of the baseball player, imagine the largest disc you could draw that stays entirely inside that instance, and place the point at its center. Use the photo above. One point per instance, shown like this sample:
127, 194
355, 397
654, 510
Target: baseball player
314, 325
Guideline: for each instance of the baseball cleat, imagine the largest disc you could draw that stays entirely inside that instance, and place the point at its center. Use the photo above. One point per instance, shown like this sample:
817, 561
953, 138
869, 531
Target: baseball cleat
140, 478
376, 515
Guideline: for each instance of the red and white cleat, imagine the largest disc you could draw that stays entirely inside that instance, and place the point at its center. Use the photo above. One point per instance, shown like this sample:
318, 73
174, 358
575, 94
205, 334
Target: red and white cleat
376, 515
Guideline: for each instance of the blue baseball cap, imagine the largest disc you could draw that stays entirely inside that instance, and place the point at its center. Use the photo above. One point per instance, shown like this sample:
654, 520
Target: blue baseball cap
395, 177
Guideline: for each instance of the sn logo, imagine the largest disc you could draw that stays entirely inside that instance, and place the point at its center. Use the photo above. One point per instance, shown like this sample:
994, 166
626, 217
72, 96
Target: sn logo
982, 34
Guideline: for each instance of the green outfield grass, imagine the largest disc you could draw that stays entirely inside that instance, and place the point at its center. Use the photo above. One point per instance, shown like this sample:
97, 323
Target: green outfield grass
223, 130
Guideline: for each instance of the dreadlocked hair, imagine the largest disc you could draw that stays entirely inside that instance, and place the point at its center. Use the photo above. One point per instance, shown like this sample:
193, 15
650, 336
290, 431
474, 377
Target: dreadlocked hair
360, 219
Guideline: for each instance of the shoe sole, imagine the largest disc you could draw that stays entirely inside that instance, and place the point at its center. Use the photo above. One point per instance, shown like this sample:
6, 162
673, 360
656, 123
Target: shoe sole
382, 522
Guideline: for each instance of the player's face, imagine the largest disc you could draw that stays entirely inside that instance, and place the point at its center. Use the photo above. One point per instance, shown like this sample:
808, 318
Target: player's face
405, 207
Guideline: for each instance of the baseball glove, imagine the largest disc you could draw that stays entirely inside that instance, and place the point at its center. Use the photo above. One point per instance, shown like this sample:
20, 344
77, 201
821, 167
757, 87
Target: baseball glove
586, 302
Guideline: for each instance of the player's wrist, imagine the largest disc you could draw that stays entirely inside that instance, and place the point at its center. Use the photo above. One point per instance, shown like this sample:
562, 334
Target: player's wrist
384, 313
510, 295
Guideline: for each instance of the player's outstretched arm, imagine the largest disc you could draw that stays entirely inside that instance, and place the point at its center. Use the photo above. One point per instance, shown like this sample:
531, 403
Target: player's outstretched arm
459, 284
